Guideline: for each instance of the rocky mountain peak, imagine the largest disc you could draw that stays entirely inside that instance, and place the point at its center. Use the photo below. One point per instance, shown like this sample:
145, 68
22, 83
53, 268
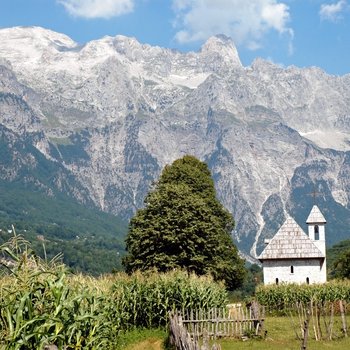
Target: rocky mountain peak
259, 64
32, 48
35, 36
127, 42
223, 48
132, 48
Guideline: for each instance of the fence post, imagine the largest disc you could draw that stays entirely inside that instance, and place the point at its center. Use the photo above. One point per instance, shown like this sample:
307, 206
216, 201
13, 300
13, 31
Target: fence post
343, 318
306, 327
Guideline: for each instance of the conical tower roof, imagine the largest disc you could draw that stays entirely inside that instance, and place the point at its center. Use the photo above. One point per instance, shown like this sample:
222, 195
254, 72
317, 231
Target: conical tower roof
315, 216
290, 242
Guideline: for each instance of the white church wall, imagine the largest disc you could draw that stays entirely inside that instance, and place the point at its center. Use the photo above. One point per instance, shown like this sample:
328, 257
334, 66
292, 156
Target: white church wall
294, 271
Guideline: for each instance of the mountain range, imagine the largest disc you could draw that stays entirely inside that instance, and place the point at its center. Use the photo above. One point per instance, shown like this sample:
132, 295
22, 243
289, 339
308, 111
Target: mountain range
97, 123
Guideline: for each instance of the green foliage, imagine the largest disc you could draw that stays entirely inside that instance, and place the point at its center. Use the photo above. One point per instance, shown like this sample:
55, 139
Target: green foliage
91, 241
342, 265
39, 306
146, 298
253, 278
41, 303
183, 225
196, 175
142, 339
338, 260
277, 297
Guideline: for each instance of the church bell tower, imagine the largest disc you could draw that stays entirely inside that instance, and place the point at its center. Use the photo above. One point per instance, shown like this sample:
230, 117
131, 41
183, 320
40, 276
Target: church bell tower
316, 228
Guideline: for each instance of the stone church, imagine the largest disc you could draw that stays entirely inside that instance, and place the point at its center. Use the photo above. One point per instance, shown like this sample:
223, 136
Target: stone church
292, 256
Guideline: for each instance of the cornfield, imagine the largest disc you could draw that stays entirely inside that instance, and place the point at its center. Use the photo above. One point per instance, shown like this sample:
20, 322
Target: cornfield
318, 310
279, 296
41, 303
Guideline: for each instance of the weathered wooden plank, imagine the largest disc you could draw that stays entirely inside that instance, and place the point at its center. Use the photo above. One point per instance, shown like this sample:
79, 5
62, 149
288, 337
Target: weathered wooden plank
187, 331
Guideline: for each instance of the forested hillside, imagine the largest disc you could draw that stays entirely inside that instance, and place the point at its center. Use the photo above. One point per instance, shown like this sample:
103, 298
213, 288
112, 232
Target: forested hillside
333, 254
90, 240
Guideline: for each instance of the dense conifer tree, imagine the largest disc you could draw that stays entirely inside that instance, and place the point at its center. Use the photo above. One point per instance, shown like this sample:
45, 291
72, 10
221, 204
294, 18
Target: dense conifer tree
183, 225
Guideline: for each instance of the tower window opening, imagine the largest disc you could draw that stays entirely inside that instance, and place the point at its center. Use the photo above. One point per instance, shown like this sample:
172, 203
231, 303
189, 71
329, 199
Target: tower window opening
277, 281
307, 280
317, 233
292, 269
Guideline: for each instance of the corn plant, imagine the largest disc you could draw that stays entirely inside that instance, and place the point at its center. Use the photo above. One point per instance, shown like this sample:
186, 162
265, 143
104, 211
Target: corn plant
39, 307
146, 299
280, 296
41, 303
314, 304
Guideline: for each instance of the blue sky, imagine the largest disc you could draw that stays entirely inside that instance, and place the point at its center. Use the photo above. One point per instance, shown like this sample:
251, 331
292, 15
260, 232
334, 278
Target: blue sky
288, 32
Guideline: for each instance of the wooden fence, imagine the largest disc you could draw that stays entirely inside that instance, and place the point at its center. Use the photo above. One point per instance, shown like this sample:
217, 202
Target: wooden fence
192, 330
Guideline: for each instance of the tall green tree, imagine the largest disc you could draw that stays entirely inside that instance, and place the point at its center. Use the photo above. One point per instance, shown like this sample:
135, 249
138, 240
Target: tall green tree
183, 225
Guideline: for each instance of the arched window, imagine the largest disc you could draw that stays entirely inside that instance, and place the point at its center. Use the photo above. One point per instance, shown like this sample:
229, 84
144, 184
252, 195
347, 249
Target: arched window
307, 280
317, 233
276, 281
292, 269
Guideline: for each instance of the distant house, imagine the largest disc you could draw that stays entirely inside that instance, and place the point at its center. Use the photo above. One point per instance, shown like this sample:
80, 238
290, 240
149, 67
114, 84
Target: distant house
292, 256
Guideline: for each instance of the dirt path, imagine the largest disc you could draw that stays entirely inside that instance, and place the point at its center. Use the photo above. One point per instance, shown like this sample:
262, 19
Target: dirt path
149, 344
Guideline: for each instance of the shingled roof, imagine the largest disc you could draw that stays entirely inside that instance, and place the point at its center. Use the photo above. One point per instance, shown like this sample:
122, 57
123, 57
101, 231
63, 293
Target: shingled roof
315, 216
290, 242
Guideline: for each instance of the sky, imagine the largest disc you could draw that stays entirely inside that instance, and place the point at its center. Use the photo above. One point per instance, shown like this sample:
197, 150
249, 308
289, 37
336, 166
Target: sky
303, 33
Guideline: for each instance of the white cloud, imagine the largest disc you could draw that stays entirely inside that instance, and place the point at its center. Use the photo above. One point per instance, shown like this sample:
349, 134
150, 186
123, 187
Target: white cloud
332, 12
246, 21
97, 8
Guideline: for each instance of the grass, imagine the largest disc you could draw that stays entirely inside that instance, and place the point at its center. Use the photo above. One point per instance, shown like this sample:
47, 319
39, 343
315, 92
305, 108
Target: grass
281, 335
142, 339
